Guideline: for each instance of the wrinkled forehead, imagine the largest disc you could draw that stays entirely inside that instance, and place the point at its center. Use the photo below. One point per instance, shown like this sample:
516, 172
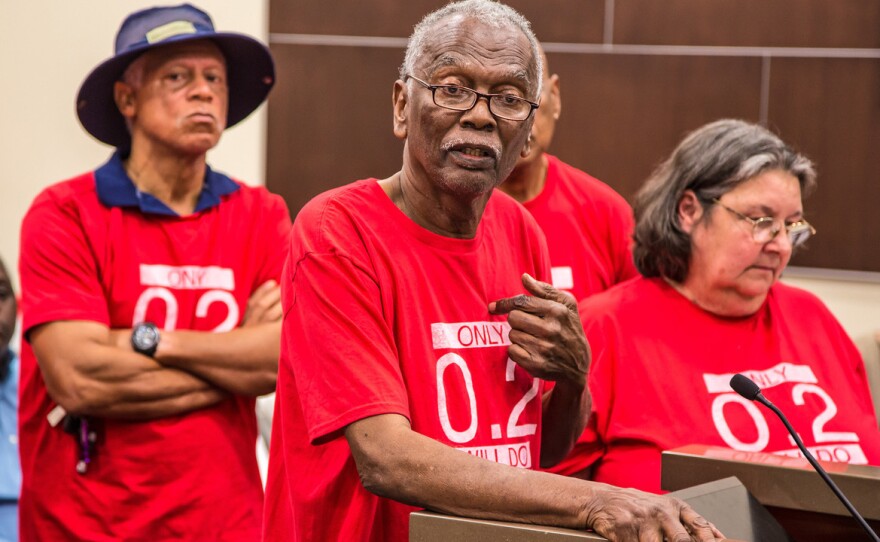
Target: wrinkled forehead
473, 45
196, 49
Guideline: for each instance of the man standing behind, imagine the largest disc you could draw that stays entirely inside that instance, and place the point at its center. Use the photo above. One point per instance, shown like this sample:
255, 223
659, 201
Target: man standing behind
408, 376
150, 303
588, 225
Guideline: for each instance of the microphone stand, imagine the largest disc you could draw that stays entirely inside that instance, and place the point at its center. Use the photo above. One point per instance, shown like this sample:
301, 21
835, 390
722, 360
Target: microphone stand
746, 388
797, 439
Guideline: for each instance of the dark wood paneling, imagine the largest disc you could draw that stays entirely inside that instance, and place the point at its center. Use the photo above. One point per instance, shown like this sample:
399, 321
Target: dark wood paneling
830, 109
581, 21
349, 17
770, 23
624, 114
552, 20
330, 119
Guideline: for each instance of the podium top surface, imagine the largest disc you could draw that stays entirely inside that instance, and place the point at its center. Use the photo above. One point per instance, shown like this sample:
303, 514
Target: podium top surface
785, 482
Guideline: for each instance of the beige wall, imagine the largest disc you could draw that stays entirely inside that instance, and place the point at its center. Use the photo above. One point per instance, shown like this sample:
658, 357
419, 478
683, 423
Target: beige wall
46, 50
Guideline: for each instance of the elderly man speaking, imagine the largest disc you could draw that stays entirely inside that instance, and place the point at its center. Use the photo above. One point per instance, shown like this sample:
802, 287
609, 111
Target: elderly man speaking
409, 376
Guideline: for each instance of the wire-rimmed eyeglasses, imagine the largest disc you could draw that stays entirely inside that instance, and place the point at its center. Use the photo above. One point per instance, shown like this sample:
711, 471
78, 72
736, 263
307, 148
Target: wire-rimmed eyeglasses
458, 98
765, 229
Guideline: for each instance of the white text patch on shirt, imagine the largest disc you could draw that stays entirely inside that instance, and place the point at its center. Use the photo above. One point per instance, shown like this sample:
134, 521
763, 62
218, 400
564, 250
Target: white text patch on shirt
774, 376
562, 278
188, 277
470, 335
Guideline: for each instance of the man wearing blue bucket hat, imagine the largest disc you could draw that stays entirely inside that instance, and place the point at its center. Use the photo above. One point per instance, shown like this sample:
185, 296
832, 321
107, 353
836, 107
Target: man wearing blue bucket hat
150, 302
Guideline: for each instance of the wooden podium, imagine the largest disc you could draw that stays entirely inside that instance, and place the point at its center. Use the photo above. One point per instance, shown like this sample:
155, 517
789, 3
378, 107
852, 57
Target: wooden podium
753, 497
725, 502
788, 487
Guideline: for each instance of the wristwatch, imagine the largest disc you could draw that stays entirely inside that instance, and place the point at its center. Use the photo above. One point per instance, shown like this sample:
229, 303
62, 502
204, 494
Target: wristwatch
145, 338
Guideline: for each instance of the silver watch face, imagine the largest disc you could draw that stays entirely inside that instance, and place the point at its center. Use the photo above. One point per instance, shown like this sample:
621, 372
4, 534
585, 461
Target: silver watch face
145, 337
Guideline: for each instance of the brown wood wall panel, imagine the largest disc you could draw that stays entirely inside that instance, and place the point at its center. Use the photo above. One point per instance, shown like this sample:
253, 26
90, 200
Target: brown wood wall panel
329, 119
349, 17
552, 20
830, 109
767, 23
623, 114
580, 21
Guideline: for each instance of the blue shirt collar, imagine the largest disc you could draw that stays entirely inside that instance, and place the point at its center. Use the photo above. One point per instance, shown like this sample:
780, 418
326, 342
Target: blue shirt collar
116, 189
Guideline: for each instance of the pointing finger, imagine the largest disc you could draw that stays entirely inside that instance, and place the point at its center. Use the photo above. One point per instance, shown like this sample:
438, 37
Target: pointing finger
547, 291
508, 304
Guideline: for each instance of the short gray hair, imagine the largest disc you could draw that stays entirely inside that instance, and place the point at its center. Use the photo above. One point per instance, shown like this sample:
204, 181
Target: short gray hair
490, 12
710, 161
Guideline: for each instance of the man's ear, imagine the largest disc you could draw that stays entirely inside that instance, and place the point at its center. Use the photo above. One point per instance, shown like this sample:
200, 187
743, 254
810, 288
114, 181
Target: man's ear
123, 95
690, 211
399, 101
555, 101
527, 148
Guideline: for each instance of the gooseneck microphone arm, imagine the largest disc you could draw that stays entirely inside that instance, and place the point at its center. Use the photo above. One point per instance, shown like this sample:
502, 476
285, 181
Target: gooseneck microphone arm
748, 389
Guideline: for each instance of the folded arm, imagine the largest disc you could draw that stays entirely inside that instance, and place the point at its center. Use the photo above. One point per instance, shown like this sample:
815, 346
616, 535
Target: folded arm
90, 369
243, 361
87, 374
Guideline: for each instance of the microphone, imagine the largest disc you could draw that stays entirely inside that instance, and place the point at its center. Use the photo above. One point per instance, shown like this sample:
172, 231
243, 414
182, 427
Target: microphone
744, 386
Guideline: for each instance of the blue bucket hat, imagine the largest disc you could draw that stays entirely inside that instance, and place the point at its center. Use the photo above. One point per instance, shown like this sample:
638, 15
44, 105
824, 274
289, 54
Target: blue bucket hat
249, 66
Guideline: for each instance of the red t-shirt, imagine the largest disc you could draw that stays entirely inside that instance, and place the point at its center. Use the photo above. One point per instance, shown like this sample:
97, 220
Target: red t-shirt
90, 253
661, 371
588, 228
383, 316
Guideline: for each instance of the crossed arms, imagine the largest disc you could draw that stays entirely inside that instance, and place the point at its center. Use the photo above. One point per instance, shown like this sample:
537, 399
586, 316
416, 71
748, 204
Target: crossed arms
92, 370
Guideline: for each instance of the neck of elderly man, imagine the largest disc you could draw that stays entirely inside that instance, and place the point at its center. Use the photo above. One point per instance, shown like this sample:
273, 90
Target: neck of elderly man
174, 100
440, 186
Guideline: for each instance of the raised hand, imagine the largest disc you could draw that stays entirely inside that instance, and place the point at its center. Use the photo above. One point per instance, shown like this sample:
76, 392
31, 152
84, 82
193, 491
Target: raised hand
546, 335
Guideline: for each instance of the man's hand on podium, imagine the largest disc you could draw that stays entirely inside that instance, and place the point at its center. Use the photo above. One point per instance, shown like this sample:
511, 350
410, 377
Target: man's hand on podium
627, 515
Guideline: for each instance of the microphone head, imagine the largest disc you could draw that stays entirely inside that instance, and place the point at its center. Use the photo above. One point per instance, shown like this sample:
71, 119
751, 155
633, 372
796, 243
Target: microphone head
744, 386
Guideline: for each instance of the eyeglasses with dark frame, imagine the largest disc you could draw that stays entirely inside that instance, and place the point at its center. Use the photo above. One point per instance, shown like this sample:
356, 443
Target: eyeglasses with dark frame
765, 229
458, 98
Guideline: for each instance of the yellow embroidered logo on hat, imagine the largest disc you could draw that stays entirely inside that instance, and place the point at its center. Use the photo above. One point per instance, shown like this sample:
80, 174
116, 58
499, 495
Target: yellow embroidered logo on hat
174, 28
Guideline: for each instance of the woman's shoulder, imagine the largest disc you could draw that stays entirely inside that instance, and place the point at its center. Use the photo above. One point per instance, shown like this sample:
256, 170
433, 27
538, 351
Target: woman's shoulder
632, 293
793, 296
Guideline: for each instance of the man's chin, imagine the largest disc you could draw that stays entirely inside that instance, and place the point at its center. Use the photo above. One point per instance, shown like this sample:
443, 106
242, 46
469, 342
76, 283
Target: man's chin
471, 182
199, 144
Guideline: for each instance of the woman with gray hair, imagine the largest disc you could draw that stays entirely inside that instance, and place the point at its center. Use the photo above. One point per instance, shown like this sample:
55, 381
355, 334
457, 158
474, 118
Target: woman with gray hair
716, 225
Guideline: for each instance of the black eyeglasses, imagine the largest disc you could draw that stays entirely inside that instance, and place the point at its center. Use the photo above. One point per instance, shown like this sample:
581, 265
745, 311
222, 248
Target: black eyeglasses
765, 229
457, 98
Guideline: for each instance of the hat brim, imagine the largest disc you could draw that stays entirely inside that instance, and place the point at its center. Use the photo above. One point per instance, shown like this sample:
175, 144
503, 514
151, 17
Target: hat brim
250, 74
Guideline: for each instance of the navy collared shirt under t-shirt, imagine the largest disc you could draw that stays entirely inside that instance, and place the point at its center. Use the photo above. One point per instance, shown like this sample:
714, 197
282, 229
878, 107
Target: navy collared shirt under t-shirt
116, 189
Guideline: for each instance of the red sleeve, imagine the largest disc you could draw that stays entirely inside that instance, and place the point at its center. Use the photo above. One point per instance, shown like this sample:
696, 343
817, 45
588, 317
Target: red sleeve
58, 266
339, 346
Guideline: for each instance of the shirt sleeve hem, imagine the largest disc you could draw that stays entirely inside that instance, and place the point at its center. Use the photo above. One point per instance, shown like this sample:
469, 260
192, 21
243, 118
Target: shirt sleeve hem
320, 433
